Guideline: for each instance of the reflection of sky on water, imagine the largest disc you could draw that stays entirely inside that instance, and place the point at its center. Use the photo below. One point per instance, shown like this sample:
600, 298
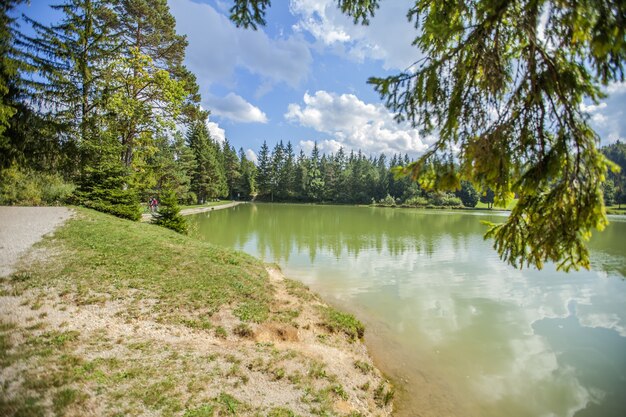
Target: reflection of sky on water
510, 338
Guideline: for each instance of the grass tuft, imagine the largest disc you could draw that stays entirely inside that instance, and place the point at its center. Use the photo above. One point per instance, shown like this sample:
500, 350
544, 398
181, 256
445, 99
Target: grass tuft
337, 321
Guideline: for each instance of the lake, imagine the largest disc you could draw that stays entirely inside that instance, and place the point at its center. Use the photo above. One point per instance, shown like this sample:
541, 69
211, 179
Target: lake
460, 332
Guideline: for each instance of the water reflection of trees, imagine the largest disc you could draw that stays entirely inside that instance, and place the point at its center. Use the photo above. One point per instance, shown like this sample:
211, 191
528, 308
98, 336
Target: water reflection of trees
608, 249
279, 229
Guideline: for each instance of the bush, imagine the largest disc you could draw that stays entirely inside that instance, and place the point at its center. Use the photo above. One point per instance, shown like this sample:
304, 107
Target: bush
468, 194
104, 188
387, 201
416, 202
21, 186
169, 213
445, 199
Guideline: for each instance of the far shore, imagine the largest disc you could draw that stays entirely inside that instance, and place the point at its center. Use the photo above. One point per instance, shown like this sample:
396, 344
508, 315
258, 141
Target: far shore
195, 210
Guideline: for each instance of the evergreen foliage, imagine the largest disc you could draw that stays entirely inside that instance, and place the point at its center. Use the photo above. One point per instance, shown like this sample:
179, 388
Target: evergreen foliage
616, 152
168, 214
209, 179
104, 188
468, 194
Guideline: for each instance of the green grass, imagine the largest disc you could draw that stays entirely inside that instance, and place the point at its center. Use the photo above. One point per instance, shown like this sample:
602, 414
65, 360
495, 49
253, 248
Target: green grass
616, 209
106, 257
483, 206
337, 321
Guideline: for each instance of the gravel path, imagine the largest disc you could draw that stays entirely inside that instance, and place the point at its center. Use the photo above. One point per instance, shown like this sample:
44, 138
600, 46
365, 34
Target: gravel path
22, 227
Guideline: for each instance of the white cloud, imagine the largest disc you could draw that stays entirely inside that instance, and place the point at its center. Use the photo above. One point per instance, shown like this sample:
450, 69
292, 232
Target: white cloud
592, 108
251, 156
216, 131
217, 47
235, 108
607, 118
354, 124
388, 36
617, 87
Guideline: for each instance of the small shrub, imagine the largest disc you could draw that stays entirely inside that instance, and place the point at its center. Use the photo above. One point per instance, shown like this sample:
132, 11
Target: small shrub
23, 186
169, 213
440, 199
416, 202
387, 201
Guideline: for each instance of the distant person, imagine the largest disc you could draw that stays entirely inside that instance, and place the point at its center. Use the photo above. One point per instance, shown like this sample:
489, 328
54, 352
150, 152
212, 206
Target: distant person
153, 204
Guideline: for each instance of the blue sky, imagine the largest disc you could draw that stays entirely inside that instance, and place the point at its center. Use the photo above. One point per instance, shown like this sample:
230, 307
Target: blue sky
302, 78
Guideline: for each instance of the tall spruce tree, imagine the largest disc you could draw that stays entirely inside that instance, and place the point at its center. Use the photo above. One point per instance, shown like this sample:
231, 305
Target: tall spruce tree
70, 58
231, 168
247, 182
264, 172
208, 177
10, 64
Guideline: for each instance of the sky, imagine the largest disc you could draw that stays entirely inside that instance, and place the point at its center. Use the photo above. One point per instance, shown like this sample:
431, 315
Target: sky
302, 77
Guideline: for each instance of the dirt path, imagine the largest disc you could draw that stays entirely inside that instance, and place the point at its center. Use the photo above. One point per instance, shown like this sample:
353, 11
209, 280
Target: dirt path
147, 216
22, 227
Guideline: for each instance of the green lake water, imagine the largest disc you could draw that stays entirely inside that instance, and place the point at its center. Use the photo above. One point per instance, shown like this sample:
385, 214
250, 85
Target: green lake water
460, 332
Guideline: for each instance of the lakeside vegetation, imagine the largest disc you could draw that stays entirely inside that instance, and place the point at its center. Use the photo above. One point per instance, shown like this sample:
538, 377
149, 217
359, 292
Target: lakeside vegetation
126, 318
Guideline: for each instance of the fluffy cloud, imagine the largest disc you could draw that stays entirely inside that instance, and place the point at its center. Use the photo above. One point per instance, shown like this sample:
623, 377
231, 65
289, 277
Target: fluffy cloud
216, 48
354, 124
216, 131
387, 38
251, 156
235, 108
607, 117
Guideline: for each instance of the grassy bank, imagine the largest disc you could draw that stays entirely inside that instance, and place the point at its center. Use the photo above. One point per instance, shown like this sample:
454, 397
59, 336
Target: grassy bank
111, 317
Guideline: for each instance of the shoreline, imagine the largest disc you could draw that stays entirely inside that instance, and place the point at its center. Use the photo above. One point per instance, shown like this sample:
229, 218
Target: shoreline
145, 217
122, 348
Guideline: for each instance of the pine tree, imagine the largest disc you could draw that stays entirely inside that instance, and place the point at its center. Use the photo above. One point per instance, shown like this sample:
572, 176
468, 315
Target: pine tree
288, 172
264, 171
247, 182
277, 164
168, 214
70, 58
231, 168
315, 184
9, 77
208, 178
302, 176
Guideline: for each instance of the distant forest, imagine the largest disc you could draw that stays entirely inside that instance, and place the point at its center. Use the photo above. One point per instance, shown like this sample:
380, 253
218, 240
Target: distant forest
98, 110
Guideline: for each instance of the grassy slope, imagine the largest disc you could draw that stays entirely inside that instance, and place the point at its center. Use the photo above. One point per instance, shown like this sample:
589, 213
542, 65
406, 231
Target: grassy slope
114, 258
152, 275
